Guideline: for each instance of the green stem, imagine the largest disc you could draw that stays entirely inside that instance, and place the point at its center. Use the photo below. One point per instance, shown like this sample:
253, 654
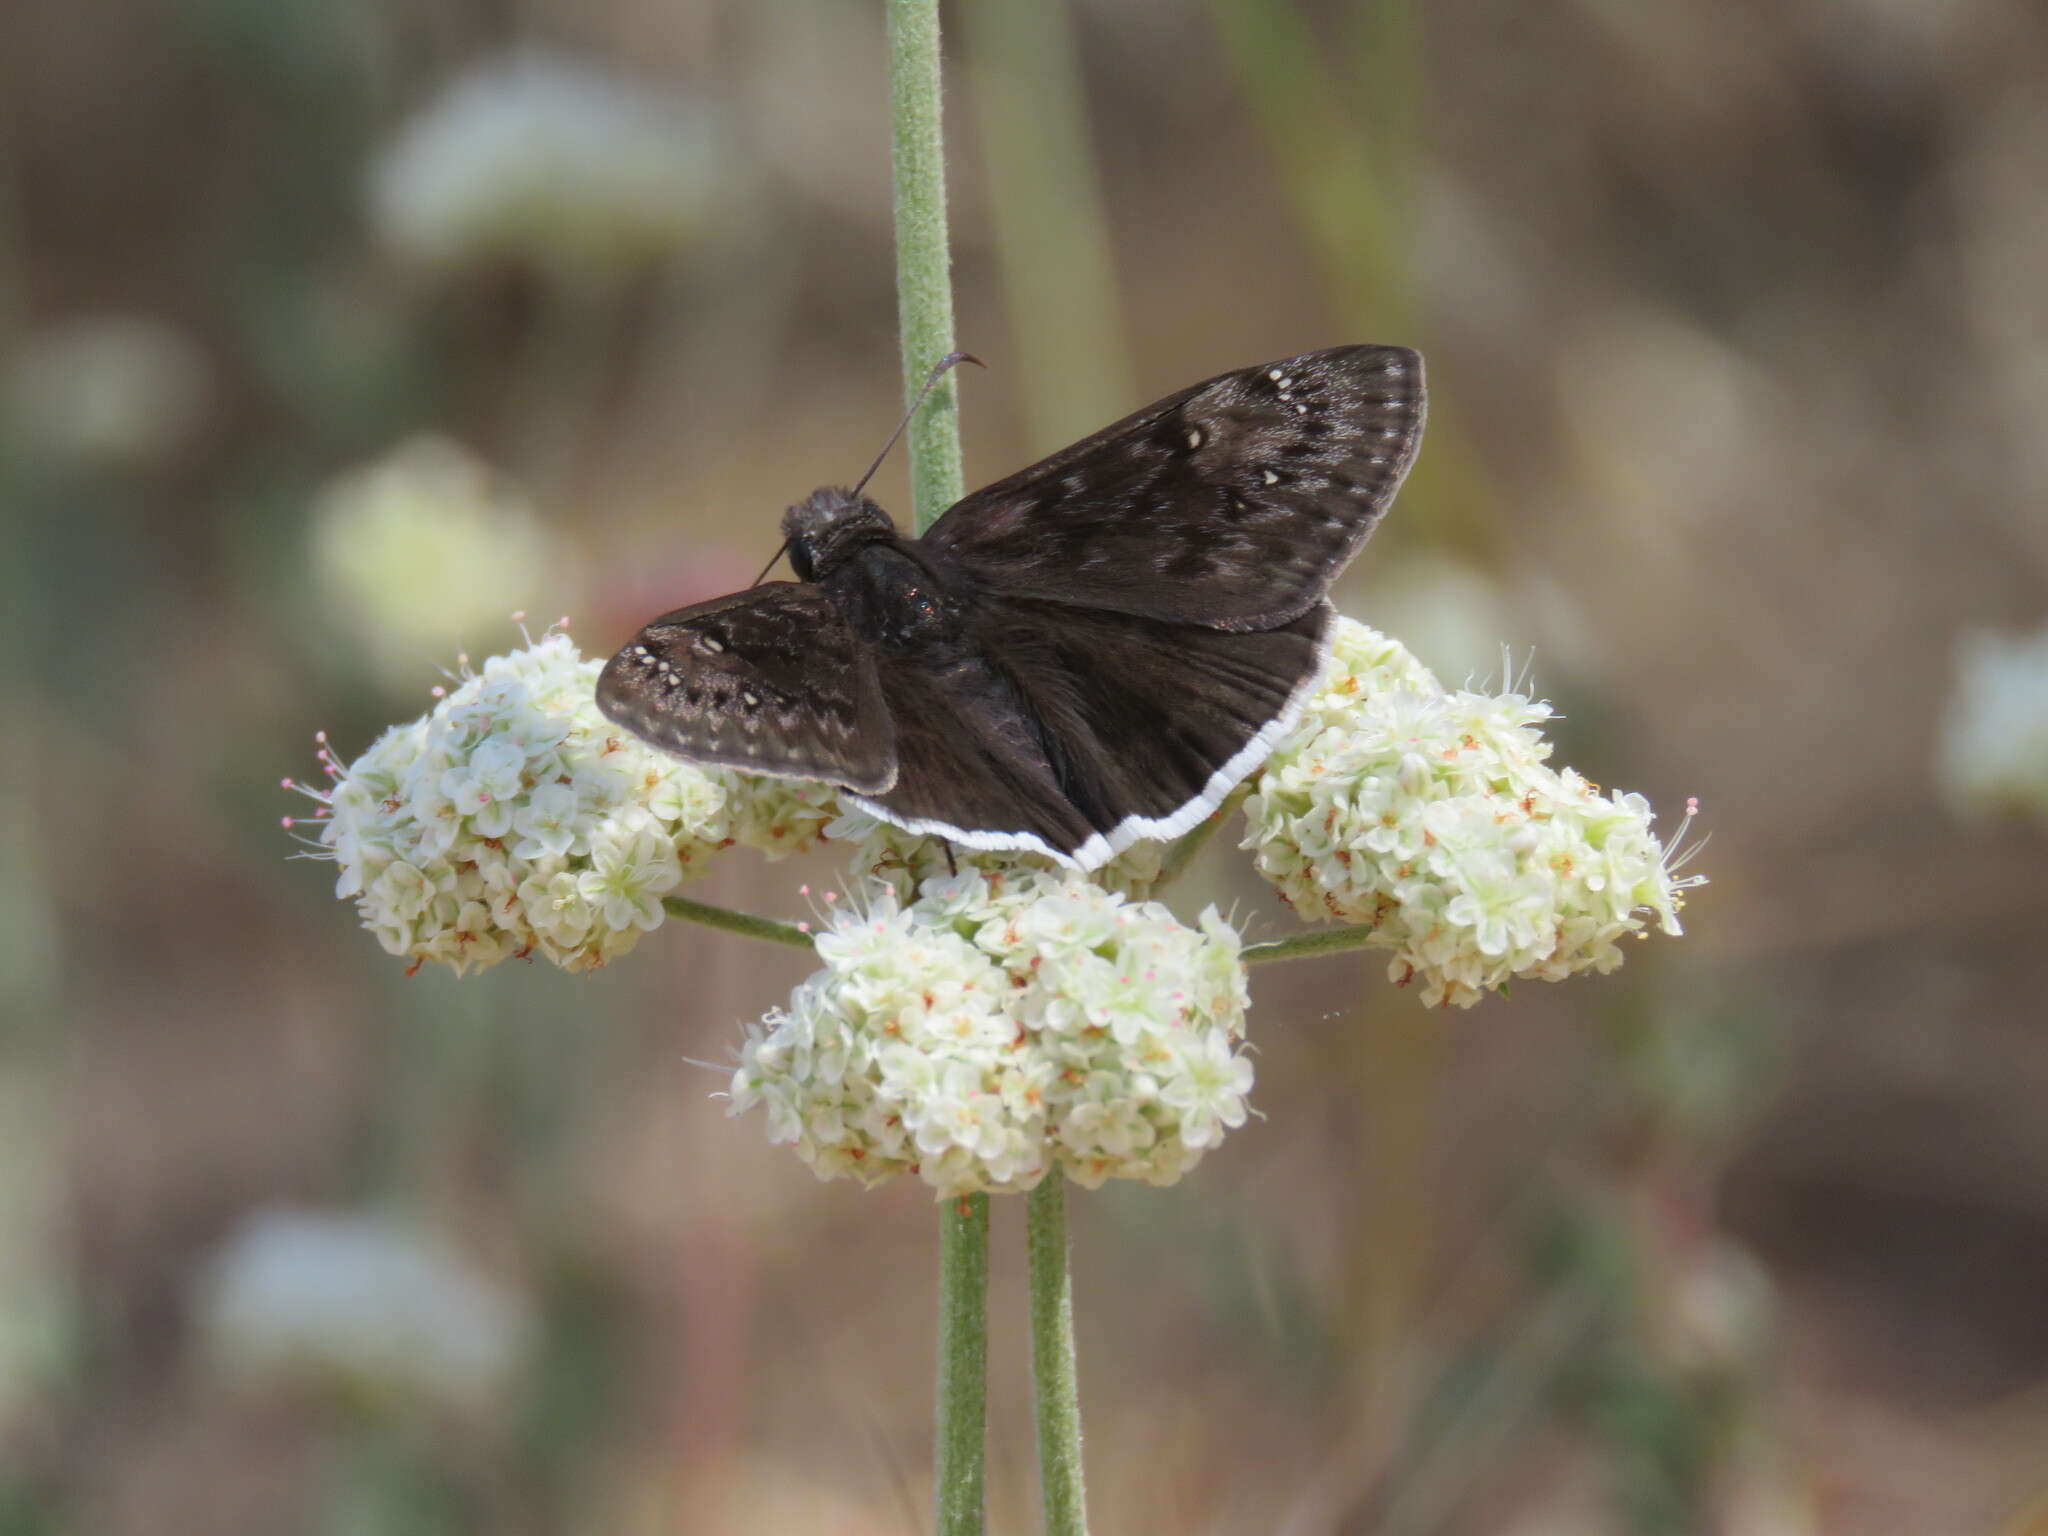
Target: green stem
924, 300
1052, 1358
737, 922
924, 286
1299, 946
963, 1363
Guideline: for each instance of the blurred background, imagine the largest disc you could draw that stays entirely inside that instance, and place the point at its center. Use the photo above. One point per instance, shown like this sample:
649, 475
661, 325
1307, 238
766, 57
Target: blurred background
331, 334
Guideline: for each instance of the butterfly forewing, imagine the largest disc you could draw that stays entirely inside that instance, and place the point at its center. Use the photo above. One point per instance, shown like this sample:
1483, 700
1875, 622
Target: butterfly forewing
1087, 654
771, 680
1232, 504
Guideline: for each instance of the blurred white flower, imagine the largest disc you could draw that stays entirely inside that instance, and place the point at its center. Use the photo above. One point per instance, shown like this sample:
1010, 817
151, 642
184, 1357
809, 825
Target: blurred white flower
420, 548
366, 1305
1444, 609
1994, 739
543, 162
1001, 1022
109, 391
1433, 815
514, 818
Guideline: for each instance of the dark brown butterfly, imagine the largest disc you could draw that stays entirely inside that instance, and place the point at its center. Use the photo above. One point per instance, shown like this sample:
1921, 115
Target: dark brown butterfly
1088, 654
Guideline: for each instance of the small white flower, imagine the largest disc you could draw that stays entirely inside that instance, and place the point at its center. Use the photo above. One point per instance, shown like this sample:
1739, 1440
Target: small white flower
514, 819
631, 866
366, 1304
1994, 742
1434, 816
1000, 1022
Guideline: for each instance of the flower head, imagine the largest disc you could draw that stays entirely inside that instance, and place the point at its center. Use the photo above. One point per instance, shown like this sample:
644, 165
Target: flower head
1994, 743
513, 818
1434, 815
998, 1023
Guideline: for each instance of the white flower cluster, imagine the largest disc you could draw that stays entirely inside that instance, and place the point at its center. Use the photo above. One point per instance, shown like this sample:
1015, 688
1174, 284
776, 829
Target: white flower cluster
1994, 741
514, 819
1433, 815
366, 1305
544, 162
1000, 1023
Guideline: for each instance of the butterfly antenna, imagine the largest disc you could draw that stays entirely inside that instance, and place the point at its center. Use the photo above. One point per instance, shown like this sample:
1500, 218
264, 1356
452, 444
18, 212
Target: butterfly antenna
940, 369
781, 550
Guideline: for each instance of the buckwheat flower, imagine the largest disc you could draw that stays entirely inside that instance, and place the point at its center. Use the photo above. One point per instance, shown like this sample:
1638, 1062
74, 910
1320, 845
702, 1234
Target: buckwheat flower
541, 162
999, 1022
778, 817
365, 1305
1994, 741
1434, 816
908, 859
514, 819
416, 550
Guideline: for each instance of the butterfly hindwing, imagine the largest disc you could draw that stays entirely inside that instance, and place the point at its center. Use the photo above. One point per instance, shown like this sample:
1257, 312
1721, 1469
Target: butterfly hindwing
1231, 504
974, 765
1150, 724
1077, 732
770, 680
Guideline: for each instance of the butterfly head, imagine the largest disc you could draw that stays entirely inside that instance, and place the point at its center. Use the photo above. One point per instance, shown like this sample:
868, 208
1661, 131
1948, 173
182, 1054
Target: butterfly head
828, 527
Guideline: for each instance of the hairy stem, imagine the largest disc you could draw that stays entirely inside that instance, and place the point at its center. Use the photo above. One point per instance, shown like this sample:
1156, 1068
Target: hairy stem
737, 922
924, 300
924, 286
1052, 1359
1299, 946
963, 1363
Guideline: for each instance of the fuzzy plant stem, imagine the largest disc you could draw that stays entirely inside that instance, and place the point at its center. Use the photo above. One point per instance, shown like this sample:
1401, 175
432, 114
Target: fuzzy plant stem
1052, 1358
729, 921
924, 278
1319, 941
924, 303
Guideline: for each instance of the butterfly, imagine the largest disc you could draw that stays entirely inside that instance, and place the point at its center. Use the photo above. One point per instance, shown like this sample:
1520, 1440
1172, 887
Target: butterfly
1088, 654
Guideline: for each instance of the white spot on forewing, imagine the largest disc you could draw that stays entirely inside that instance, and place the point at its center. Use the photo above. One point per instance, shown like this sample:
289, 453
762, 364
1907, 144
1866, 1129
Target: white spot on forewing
1271, 478
1195, 438
1278, 376
710, 643
750, 700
